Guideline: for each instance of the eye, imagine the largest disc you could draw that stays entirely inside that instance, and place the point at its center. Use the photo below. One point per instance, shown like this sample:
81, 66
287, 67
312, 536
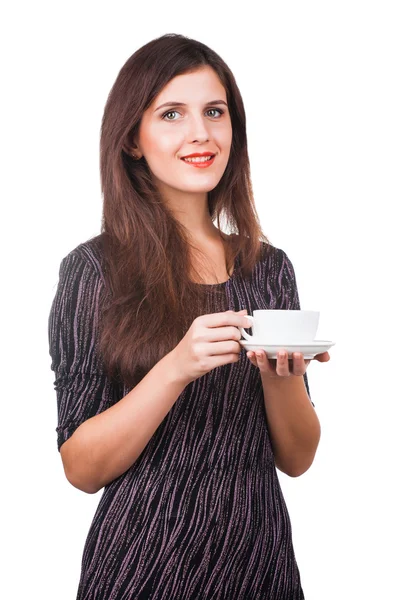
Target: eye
221, 112
171, 112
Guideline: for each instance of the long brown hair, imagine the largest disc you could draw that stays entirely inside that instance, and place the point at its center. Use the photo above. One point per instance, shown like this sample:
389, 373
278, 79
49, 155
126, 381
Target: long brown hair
152, 299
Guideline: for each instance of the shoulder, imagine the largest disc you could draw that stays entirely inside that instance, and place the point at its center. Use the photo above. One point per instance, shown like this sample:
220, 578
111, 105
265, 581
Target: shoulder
271, 258
274, 256
87, 255
277, 265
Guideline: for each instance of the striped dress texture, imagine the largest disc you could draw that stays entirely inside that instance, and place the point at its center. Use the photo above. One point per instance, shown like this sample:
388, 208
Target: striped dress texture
200, 515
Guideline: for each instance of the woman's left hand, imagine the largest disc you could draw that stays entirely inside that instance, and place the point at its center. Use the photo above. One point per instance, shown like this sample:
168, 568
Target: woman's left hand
283, 366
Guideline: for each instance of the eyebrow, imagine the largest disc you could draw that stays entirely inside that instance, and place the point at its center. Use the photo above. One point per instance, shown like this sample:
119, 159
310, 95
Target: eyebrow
212, 102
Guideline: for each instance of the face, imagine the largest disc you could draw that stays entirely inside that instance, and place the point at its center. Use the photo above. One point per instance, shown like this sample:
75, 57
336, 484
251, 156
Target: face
201, 124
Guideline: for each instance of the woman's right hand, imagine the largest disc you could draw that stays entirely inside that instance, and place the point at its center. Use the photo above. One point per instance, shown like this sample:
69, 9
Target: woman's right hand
211, 341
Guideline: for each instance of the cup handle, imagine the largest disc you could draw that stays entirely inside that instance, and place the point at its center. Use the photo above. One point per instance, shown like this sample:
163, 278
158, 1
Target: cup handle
243, 332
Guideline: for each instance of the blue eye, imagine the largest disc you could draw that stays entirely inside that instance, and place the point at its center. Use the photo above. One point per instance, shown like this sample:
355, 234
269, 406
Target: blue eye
170, 112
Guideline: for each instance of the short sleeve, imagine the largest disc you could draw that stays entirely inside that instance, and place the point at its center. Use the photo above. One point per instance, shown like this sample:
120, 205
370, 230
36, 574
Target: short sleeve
289, 296
82, 388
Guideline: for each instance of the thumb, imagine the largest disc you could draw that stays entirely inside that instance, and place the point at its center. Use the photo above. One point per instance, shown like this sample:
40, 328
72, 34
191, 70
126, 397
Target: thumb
244, 310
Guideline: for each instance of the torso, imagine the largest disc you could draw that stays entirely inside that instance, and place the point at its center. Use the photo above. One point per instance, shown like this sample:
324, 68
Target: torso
208, 461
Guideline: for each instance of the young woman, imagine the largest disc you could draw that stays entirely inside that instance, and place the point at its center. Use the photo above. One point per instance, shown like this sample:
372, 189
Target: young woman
157, 401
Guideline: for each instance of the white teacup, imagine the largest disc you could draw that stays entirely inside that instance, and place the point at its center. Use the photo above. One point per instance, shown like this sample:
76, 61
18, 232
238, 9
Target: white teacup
282, 326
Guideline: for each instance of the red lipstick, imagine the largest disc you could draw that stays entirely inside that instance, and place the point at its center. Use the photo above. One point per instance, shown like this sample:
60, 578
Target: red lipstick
199, 164
198, 154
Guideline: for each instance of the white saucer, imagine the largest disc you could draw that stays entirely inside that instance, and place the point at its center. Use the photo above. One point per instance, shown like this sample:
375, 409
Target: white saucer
309, 349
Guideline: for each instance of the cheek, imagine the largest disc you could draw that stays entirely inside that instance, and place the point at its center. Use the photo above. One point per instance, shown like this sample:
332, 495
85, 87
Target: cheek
223, 137
160, 149
224, 141
155, 146
156, 142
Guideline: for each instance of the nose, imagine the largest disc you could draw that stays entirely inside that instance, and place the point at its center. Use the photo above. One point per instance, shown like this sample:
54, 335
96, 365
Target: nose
197, 129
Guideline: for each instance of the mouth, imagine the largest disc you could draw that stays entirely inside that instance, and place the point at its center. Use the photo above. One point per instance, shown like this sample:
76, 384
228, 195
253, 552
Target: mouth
199, 161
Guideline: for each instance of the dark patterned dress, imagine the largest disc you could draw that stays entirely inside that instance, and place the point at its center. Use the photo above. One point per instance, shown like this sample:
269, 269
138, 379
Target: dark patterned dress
200, 515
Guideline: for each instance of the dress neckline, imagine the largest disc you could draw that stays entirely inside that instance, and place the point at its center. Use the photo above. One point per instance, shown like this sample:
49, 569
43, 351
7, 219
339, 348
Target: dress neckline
222, 283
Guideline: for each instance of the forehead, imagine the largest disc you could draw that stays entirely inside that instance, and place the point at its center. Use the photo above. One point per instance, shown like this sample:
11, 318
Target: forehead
197, 87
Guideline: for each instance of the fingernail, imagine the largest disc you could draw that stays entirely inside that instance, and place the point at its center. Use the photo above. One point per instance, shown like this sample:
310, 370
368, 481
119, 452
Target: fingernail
281, 355
259, 354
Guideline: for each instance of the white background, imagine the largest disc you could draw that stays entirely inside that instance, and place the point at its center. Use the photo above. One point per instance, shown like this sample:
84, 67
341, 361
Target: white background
320, 83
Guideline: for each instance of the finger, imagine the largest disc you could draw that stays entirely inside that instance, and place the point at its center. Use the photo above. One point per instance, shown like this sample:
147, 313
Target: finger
262, 362
259, 356
265, 365
227, 346
323, 357
220, 334
224, 319
252, 358
282, 364
299, 366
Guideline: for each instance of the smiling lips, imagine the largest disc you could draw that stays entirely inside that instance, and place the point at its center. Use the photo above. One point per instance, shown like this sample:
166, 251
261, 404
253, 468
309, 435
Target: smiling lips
198, 160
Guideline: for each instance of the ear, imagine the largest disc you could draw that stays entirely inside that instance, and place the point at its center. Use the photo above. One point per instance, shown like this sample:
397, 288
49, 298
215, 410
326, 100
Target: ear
130, 146
133, 152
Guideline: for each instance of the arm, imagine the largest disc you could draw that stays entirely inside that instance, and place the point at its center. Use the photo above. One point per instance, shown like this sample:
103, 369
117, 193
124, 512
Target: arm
106, 445
100, 434
292, 423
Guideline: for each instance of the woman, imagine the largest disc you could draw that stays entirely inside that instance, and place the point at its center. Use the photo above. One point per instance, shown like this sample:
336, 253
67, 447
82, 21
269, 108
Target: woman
157, 403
